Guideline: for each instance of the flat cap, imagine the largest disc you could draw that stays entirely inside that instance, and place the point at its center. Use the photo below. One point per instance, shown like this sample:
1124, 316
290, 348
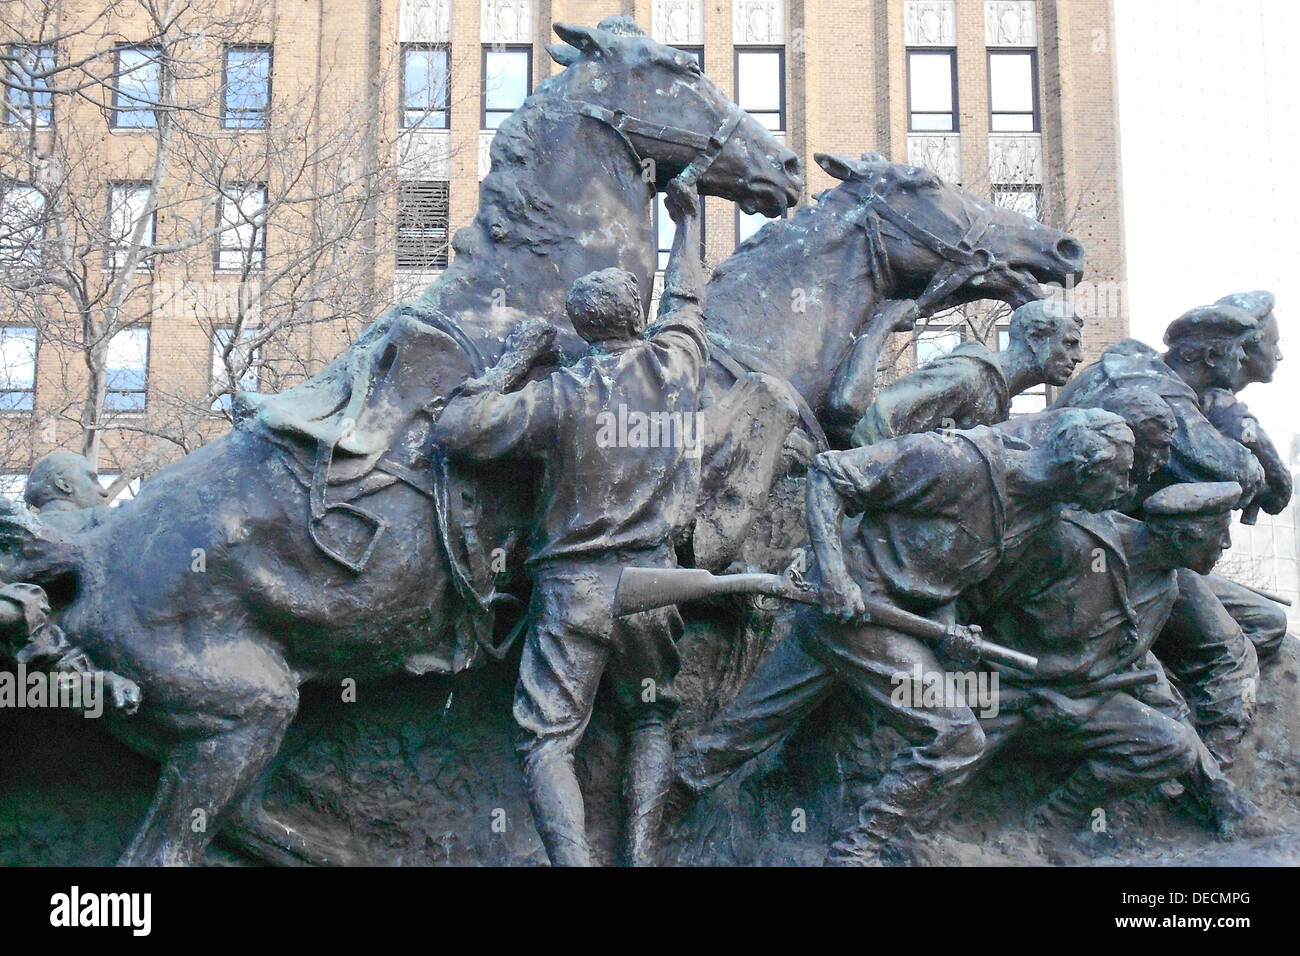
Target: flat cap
1258, 304
1219, 321
1194, 498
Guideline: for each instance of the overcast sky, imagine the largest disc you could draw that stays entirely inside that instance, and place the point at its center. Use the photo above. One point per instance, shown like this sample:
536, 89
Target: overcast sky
1209, 102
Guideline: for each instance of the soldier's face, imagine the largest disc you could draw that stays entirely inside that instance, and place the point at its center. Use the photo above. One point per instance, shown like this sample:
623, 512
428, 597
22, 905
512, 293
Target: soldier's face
1151, 452
1263, 354
1204, 540
1063, 351
85, 491
1106, 480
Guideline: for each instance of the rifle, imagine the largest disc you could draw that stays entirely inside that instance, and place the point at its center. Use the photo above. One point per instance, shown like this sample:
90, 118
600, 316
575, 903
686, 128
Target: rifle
1267, 595
642, 589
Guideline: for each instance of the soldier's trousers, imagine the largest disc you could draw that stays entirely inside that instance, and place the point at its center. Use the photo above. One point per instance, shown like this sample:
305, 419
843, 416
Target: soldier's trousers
819, 657
1263, 621
573, 642
1129, 742
1206, 651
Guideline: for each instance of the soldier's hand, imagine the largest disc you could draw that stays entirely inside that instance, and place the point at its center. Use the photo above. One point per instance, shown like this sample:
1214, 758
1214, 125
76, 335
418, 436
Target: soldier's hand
960, 644
842, 600
126, 694
531, 336
681, 200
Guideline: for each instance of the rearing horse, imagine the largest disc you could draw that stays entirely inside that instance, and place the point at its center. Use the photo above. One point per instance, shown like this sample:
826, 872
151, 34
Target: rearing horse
212, 589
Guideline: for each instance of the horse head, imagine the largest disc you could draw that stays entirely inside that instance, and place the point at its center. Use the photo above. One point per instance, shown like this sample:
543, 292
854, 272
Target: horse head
942, 246
675, 118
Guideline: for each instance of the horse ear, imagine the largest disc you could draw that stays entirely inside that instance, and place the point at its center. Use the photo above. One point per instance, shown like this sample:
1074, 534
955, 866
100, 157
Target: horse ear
840, 167
587, 40
563, 54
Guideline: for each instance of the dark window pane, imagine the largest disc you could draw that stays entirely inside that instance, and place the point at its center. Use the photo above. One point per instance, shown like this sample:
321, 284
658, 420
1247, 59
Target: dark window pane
425, 87
139, 87
506, 78
930, 82
248, 88
760, 86
29, 97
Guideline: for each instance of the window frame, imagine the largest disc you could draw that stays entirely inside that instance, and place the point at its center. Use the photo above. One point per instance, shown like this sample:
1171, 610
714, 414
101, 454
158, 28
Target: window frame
654, 224
111, 251
445, 109
30, 409
117, 108
259, 232
779, 50
13, 116
1037, 104
27, 254
444, 255
951, 53
265, 111
488, 48
143, 391
224, 401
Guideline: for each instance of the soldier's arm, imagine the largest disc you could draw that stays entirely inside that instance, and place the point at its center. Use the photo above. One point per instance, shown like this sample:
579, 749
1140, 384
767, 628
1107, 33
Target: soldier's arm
855, 379
681, 307
492, 424
919, 402
840, 597
1235, 420
1201, 452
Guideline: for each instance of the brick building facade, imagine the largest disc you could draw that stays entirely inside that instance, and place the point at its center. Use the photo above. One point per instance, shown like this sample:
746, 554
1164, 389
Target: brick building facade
1028, 118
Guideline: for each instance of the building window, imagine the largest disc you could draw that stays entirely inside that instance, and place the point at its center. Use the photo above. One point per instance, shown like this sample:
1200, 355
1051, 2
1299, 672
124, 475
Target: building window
27, 87
425, 86
760, 84
932, 91
138, 87
127, 203
240, 363
422, 225
241, 219
1013, 91
246, 87
507, 81
22, 225
127, 371
1023, 199
17, 368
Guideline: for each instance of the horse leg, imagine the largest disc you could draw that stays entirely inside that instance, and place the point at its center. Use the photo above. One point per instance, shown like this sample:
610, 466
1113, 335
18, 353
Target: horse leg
222, 755
256, 831
744, 432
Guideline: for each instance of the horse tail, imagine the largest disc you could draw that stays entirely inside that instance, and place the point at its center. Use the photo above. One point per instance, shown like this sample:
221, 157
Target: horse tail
33, 553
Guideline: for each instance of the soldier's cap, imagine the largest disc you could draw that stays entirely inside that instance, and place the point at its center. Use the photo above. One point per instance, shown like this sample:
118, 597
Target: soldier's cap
1193, 499
1219, 321
1259, 303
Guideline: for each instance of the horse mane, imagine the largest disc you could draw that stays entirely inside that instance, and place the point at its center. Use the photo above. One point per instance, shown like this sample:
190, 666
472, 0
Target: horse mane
756, 246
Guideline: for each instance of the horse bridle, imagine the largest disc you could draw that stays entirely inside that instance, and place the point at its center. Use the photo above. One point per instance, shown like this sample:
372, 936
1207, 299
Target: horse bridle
706, 148
962, 261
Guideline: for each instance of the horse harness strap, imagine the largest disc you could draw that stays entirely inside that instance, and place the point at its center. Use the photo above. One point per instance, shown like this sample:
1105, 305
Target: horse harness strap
962, 261
706, 148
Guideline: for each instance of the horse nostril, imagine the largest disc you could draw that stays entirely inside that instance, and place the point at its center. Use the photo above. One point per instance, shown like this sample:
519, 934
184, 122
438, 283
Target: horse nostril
792, 168
1069, 250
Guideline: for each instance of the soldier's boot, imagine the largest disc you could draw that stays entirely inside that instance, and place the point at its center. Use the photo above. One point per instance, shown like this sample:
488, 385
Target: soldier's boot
1070, 806
649, 770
